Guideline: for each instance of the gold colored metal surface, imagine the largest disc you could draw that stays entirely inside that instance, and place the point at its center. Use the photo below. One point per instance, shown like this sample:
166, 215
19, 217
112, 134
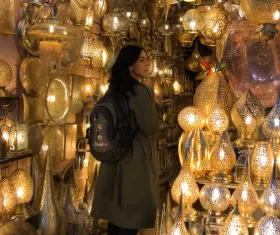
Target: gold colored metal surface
215, 23
23, 184
99, 57
24, 211
70, 135
6, 74
57, 98
7, 23
17, 228
186, 38
83, 3
262, 163
192, 20
214, 197
270, 199
268, 225
196, 153
222, 159
52, 219
115, 23
77, 15
33, 109
246, 196
207, 42
155, 10
235, 224
33, 76
100, 8
218, 120
9, 200
194, 60
190, 118
50, 54
206, 94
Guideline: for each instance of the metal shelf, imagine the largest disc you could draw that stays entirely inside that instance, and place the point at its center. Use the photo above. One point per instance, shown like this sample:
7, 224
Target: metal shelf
15, 156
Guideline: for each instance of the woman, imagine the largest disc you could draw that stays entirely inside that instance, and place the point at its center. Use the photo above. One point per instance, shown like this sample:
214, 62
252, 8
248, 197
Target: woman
127, 193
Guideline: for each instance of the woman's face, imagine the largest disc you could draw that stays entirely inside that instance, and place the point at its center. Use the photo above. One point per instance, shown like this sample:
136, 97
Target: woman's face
140, 69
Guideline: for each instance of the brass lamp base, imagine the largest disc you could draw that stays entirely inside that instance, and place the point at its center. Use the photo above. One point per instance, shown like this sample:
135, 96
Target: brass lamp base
244, 143
260, 182
220, 177
190, 215
250, 220
24, 211
214, 218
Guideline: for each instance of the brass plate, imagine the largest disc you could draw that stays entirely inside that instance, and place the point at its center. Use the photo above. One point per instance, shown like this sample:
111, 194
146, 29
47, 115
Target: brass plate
33, 76
7, 22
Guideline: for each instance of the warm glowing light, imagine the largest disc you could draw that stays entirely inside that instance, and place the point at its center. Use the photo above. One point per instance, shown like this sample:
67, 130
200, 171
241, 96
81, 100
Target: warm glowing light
51, 28
45, 148
51, 98
276, 122
115, 20
216, 194
104, 88
6, 136
128, 14
276, 15
176, 86
20, 192
222, 154
86, 162
248, 120
88, 88
215, 28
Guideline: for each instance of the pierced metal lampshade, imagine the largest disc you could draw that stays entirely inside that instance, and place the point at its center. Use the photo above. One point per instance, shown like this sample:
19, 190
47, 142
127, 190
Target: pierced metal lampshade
194, 60
89, 17
222, 160
246, 196
262, 163
83, 3
192, 20
19, 137
218, 120
190, 118
99, 54
215, 23
115, 23
6, 74
270, 199
100, 8
268, 225
215, 198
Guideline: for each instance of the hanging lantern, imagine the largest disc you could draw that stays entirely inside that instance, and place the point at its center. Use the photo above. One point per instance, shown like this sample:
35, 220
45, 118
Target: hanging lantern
215, 198
99, 8
264, 13
271, 124
196, 153
247, 114
23, 184
262, 163
190, 118
194, 60
222, 160
164, 28
270, 199
185, 183
268, 225
115, 23
235, 224
51, 33
89, 17
8, 192
77, 14
19, 137
215, 23
246, 196
186, 38
99, 54
192, 20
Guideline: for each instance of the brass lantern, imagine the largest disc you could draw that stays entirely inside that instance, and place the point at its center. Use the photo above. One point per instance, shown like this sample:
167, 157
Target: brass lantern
268, 225
264, 13
99, 57
192, 21
19, 137
6, 74
215, 23
99, 8
190, 118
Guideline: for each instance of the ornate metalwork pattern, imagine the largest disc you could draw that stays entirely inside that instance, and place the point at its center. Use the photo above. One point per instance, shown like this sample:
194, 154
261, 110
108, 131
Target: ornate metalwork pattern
215, 23
23, 184
100, 8
57, 99
262, 162
6, 73
77, 14
206, 94
70, 133
218, 120
214, 197
268, 225
99, 56
190, 118
83, 3
115, 23
236, 225
179, 226
222, 157
9, 199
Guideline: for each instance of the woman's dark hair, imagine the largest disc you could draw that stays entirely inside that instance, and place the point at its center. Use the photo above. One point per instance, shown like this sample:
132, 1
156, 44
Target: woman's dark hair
121, 81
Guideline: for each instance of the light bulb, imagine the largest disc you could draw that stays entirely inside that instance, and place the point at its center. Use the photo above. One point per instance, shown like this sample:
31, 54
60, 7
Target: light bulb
20, 192
276, 15
51, 28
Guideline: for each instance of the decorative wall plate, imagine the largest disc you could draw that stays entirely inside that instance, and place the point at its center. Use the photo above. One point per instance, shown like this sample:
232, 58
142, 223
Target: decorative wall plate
57, 99
33, 76
7, 23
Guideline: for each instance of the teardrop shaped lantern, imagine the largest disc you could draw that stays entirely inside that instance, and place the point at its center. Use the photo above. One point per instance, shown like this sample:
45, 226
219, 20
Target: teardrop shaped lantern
268, 225
193, 61
222, 160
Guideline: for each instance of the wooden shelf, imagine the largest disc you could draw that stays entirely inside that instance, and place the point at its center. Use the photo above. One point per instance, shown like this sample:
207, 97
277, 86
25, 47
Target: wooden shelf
15, 156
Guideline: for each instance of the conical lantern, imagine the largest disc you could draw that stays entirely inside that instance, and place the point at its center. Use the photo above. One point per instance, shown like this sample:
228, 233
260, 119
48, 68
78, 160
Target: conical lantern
193, 61
52, 219
268, 225
205, 96
196, 153
222, 160
235, 224
9, 198
262, 163
271, 125
246, 196
179, 227
185, 183
247, 114
163, 224
270, 199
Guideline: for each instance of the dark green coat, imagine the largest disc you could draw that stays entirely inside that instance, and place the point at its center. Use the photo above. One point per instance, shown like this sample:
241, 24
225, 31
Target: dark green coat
127, 193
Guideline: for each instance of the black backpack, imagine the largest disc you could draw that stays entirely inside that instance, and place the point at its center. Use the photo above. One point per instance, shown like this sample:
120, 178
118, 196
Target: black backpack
111, 134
